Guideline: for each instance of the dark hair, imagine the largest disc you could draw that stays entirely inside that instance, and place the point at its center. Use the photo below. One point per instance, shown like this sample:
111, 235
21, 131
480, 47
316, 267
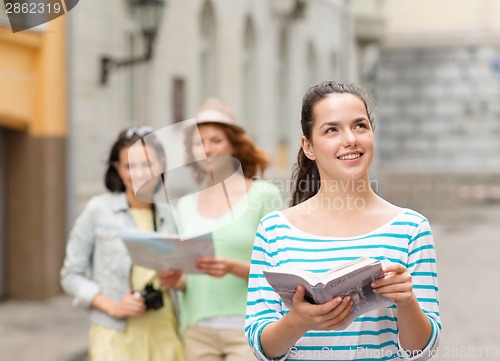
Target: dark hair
306, 177
127, 138
254, 161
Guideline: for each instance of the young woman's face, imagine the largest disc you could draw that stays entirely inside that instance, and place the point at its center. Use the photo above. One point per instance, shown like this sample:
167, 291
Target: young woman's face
214, 142
341, 139
133, 167
213, 145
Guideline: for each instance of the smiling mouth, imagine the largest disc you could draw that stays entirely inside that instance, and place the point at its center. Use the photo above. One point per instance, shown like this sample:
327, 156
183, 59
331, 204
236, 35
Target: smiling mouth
350, 156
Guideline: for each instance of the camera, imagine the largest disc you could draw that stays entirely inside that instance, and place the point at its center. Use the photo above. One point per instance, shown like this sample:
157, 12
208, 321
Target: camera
153, 298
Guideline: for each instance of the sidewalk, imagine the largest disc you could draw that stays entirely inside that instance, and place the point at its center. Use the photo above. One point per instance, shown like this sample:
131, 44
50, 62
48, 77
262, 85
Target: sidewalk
43, 331
468, 254
468, 251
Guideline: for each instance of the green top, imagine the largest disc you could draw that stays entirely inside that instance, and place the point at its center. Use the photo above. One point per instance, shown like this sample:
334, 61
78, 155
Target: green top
205, 296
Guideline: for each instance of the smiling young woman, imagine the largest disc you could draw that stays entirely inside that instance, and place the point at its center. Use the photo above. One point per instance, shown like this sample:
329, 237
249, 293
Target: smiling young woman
231, 201
335, 216
98, 270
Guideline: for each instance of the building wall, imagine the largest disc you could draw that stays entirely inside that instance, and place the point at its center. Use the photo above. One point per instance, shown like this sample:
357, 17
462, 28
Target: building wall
53, 150
98, 112
285, 36
445, 19
437, 87
439, 109
50, 147
33, 125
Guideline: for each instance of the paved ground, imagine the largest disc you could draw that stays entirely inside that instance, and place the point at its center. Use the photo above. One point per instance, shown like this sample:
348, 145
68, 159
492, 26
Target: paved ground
469, 284
42, 331
468, 246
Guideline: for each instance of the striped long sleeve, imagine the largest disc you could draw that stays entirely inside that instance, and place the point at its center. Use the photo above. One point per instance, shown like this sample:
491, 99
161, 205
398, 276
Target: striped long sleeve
406, 239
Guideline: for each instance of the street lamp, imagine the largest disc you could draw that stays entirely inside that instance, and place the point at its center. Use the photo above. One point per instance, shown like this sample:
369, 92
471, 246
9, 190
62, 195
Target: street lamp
149, 13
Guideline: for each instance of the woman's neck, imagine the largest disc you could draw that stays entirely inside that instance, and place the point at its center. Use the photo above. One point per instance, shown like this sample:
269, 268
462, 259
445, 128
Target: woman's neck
235, 181
343, 196
214, 202
134, 202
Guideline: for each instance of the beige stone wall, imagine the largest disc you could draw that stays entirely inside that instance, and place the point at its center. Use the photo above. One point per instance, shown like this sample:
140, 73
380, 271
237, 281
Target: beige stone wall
438, 83
144, 94
441, 22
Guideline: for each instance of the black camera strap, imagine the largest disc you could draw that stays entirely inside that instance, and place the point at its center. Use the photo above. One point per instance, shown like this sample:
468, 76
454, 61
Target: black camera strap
153, 208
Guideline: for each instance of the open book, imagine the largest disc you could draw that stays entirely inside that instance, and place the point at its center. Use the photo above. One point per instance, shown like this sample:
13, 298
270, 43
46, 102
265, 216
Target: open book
349, 279
161, 251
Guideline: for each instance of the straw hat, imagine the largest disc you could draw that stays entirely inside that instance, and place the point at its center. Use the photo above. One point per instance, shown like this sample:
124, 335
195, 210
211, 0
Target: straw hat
213, 110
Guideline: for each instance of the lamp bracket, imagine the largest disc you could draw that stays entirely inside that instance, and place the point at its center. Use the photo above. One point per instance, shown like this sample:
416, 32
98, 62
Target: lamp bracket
109, 64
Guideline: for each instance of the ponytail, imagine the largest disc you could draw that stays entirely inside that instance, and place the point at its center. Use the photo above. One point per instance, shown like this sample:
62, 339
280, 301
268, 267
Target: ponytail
305, 179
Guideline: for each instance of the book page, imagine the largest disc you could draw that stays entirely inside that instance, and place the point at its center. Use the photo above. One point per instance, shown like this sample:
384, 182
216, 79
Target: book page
285, 284
345, 268
307, 276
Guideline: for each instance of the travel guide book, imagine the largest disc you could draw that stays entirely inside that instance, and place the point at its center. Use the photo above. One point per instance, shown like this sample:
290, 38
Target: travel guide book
161, 251
352, 279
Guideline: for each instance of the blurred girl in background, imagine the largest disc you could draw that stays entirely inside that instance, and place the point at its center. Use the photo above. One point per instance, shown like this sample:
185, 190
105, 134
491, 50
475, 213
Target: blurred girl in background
230, 204
98, 270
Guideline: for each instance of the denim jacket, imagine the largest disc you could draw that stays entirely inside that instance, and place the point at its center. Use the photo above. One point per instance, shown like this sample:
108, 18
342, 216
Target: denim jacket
97, 261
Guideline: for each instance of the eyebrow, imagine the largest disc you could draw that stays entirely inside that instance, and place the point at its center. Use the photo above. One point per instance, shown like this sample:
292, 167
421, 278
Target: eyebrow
336, 124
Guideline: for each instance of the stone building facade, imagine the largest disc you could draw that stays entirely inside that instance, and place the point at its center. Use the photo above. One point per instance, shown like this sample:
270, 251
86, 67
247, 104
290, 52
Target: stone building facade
437, 86
57, 120
257, 55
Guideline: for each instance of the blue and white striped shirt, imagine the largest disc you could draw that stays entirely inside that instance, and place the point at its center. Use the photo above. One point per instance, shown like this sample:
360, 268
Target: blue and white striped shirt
406, 239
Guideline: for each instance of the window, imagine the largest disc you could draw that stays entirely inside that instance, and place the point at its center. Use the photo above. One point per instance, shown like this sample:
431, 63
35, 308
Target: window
312, 66
249, 74
283, 87
283, 96
208, 66
178, 99
334, 66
